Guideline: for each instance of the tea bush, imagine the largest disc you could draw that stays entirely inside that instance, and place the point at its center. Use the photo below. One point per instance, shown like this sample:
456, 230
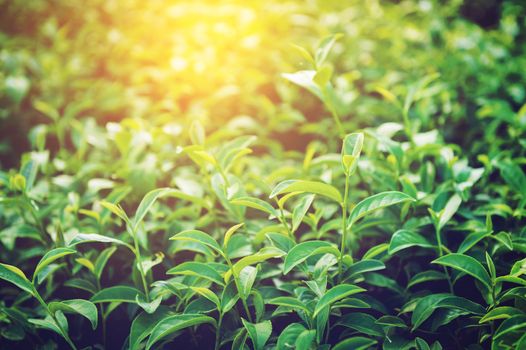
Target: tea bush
262, 175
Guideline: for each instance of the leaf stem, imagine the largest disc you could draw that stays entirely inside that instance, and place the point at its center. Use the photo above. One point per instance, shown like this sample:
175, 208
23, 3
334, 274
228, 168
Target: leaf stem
344, 227
138, 260
218, 330
440, 253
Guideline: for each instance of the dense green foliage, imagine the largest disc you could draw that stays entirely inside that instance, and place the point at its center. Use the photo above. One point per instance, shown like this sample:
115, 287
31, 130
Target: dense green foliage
262, 175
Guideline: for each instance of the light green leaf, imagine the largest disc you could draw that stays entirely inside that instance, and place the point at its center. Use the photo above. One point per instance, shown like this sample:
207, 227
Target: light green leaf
198, 237
94, 237
79, 306
264, 254
123, 294
355, 343
290, 302
143, 325
449, 210
305, 339
198, 269
300, 210
247, 277
175, 323
376, 202
102, 260
207, 293
147, 203
230, 232
466, 264
14, 275
255, 203
301, 252
325, 47
51, 256
334, 294
351, 149
403, 239
305, 79
148, 306
315, 187
258, 333
288, 336
116, 209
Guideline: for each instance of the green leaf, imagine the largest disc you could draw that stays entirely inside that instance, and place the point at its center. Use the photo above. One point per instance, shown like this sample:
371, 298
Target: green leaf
147, 203
143, 325
255, 203
208, 294
403, 239
102, 260
198, 269
300, 210
247, 277
362, 322
51, 256
14, 275
290, 302
305, 79
123, 294
466, 264
198, 237
315, 187
472, 239
426, 276
175, 323
375, 202
116, 209
325, 47
500, 313
362, 266
305, 339
515, 324
301, 252
355, 343
258, 333
230, 232
449, 210
287, 338
94, 237
148, 306
427, 305
334, 294
351, 149
79, 306
513, 175
264, 254
50, 324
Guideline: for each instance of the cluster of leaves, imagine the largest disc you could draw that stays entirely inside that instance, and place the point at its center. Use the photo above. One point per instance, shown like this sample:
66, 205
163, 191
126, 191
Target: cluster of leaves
402, 231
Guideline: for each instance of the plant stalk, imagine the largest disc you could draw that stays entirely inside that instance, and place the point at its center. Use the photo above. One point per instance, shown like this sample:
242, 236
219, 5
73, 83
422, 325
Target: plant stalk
344, 227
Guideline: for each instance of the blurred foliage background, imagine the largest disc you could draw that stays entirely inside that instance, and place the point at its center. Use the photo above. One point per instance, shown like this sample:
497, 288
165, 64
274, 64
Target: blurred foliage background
71, 66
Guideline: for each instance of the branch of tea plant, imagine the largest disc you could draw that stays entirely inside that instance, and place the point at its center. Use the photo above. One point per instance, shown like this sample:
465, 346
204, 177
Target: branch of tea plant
283, 220
218, 330
345, 204
440, 253
338, 122
46, 307
138, 261
236, 281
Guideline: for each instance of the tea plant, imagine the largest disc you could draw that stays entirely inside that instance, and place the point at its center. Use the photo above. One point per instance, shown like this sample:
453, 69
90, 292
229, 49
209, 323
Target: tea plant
263, 188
